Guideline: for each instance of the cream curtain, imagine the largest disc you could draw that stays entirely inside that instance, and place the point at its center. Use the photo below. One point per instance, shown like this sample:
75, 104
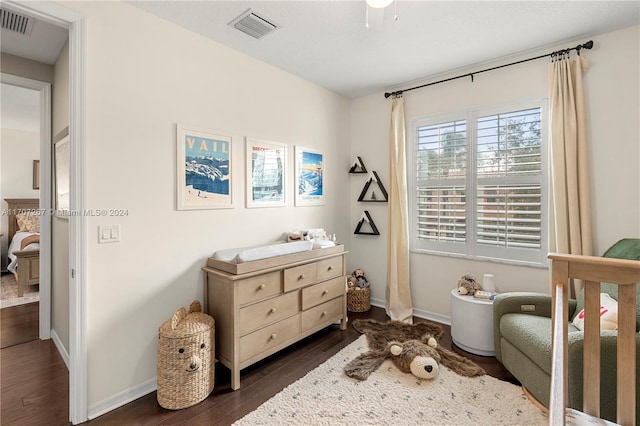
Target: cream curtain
398, 294
570, 194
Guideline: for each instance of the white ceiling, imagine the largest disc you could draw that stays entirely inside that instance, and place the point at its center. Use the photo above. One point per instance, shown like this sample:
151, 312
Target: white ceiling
20, 107
44, 44
327, 43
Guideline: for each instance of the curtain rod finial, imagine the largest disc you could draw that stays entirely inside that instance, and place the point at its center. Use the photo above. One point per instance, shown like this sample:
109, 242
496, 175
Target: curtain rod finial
588, 45
395, 94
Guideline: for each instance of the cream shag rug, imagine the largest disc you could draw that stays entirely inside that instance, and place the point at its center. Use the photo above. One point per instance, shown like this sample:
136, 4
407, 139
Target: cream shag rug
326, 396
9, 292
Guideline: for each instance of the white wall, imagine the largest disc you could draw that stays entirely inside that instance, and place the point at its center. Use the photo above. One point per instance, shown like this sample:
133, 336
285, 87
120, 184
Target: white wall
144, 76
60, 226
614, 149
15, 65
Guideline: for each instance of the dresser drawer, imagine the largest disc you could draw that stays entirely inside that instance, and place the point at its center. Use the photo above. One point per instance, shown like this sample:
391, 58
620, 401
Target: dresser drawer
321, 314
260, 287
329, 268
268, 311
300, 276
322, 292
269, 337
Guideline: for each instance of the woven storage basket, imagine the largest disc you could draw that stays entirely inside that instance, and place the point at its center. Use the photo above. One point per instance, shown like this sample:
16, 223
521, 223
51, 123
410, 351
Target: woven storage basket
358, 300
185, 358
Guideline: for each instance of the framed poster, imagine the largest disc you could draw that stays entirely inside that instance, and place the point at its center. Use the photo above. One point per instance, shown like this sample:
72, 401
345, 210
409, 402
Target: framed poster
62, 163
204, 174
266, 173
309, 177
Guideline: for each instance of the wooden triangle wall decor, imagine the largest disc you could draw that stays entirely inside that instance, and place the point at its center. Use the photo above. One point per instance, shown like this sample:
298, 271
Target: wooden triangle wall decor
367, 223
374, 179
358, 166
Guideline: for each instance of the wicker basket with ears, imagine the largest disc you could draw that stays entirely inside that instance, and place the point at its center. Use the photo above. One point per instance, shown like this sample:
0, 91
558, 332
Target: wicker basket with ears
185, 358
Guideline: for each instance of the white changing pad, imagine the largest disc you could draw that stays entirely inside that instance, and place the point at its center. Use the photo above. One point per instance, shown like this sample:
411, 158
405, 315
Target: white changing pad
240, 255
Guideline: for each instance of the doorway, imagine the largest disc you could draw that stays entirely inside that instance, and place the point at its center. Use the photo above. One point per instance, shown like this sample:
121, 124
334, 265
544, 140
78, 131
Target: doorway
25, 117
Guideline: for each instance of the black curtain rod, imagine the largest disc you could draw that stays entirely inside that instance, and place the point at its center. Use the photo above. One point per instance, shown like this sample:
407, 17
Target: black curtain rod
587, 45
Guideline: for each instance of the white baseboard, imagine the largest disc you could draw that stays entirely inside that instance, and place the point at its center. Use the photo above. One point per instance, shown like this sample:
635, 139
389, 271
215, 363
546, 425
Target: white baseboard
432, 316
61, 349
122, 398
420, 313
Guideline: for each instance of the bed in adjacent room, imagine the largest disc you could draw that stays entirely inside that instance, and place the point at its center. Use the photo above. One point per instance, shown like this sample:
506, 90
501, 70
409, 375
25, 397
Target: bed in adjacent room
24, 241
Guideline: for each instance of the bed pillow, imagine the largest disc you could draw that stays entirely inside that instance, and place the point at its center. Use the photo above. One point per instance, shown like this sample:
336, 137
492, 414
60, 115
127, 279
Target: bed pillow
28, 222
608, 314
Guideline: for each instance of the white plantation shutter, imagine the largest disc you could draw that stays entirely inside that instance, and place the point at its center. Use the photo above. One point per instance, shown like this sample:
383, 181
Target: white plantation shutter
441, 205
479, 184
509, 216
442, 214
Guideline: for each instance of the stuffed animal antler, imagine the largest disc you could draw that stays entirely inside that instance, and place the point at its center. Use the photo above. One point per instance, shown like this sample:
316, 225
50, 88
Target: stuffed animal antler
413, 341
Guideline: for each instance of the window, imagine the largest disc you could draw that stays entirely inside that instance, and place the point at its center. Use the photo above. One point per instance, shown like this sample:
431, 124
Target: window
480, 185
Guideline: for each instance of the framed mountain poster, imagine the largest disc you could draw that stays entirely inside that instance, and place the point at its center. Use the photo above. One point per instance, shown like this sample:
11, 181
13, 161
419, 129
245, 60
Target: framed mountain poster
204, 175
266, 173
309, 177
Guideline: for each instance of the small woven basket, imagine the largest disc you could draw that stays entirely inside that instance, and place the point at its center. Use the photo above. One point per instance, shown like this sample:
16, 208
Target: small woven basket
358, 300
185, 358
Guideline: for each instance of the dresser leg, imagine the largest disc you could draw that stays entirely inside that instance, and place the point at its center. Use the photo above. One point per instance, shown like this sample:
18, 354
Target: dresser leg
343, 323
235, 378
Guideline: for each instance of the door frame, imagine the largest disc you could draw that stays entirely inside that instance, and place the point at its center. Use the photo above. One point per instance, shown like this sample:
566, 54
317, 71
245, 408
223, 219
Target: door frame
44, 93
75, 22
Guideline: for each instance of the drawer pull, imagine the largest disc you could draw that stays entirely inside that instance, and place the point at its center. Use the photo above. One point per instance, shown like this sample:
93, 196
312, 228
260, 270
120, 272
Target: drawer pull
301, 277
273, 310
323, 313
262, 287
325, 292
273, 336
330, 268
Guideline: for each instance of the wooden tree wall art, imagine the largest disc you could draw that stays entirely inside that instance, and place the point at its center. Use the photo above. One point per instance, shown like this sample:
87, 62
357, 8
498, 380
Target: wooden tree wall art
369, 193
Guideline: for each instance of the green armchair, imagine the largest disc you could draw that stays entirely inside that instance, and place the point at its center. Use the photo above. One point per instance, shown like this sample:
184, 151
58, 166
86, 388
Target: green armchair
522, 340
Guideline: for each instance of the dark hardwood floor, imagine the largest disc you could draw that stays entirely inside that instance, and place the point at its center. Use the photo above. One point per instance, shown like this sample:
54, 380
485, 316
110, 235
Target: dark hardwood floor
224, 406
19, 324
35, 385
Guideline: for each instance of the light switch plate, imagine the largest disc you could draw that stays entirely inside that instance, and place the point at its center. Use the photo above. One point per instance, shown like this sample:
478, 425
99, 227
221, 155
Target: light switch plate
108, 234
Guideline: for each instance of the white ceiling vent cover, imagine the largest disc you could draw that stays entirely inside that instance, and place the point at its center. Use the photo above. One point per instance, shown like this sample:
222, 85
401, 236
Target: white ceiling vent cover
15, 22
254, 25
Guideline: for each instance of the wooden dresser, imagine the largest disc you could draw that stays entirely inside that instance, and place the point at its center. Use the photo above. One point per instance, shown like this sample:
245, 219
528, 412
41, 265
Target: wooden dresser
263, 306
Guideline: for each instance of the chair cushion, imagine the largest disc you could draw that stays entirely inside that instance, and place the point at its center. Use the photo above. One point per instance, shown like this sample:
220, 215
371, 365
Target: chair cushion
531, 334
627, 248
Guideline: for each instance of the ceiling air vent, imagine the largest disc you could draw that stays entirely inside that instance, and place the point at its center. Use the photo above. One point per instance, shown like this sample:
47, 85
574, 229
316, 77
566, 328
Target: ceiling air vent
254, 25
15, 22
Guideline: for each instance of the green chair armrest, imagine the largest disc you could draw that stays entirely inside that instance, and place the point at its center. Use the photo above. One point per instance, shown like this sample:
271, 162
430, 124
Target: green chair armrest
522, 303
